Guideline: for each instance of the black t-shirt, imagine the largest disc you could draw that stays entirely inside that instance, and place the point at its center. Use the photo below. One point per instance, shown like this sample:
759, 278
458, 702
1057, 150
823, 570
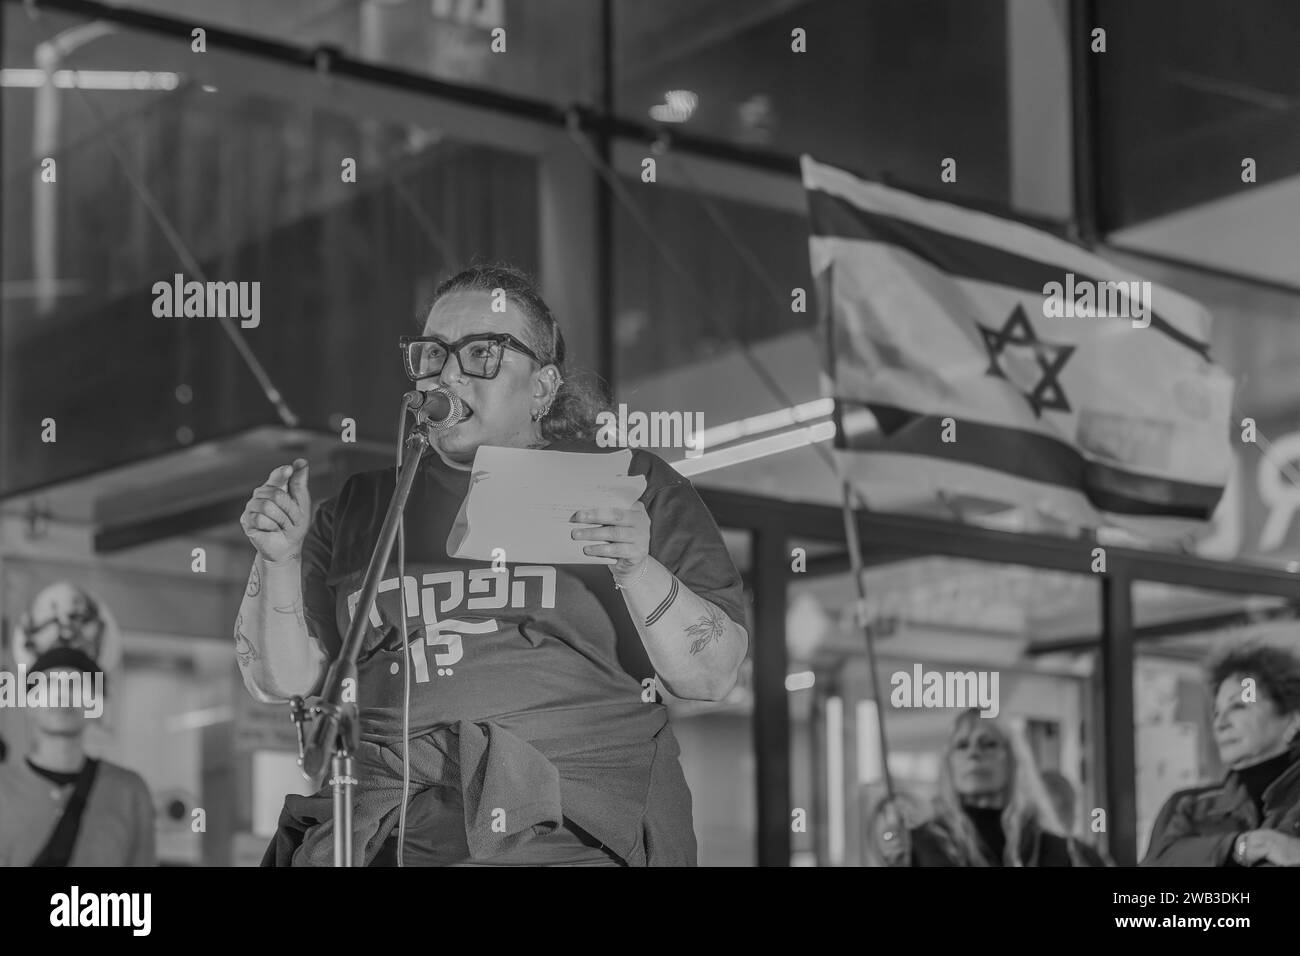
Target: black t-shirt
54, 776
548, 653
540, 649
988, 824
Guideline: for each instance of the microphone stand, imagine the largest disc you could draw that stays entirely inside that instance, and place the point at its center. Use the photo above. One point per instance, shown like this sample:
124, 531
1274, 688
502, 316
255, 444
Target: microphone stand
336, 728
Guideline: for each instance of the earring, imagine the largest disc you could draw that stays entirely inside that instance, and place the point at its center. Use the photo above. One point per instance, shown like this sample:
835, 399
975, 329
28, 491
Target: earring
546, 410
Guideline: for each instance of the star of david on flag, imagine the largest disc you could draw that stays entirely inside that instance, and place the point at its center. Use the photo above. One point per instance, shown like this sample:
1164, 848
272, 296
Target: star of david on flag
951, 378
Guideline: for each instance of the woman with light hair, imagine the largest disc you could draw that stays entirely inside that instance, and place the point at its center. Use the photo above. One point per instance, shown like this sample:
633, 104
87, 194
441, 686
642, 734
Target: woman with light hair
991, 808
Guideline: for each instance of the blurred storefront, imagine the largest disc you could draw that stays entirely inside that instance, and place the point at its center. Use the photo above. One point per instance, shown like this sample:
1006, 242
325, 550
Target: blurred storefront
679, 294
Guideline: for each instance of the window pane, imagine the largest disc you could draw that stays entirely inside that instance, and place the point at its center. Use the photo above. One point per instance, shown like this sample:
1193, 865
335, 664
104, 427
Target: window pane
889, 87
339, 221
663, 318
551, 50
1193, 87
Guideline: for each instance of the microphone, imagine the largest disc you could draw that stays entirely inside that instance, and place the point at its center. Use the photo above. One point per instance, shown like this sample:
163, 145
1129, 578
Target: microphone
440, 407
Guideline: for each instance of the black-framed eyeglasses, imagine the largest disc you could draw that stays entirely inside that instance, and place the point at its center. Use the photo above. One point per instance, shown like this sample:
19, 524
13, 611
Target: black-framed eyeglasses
478, 355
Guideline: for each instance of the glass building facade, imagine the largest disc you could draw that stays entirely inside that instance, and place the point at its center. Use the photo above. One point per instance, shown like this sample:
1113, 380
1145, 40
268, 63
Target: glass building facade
348, 156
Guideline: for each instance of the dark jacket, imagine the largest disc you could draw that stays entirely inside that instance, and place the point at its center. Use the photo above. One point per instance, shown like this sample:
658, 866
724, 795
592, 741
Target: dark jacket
1204, 826
933, 846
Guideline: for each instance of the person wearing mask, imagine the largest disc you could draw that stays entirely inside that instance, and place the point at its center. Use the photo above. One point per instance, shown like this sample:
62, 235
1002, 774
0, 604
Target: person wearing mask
61, 807
1253, 817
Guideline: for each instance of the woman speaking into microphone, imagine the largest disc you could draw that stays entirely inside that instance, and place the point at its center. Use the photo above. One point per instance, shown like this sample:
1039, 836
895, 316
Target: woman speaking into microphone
535, 735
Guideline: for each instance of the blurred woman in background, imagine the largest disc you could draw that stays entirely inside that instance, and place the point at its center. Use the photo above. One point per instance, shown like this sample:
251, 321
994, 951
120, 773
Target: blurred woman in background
991, 809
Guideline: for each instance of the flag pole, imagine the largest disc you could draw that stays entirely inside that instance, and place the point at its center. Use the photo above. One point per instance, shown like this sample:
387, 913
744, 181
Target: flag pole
856, 563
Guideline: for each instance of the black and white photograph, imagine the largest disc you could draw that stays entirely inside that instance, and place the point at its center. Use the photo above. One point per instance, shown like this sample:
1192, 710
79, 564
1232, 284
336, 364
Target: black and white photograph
687, 434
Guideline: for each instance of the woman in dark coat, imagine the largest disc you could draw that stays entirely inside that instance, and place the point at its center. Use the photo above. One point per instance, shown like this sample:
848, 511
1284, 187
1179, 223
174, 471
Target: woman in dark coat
1253, 817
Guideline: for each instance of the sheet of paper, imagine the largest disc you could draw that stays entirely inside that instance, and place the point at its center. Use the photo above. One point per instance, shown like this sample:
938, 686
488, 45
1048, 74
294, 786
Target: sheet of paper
520, 501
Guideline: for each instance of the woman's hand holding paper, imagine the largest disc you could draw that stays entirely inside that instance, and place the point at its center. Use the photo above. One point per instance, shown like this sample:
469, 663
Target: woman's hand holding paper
620, 533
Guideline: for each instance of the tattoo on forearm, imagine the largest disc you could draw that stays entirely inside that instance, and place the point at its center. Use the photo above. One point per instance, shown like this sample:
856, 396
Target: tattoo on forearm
254, 582
707, 630
295, 609
245, 652
664, 605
